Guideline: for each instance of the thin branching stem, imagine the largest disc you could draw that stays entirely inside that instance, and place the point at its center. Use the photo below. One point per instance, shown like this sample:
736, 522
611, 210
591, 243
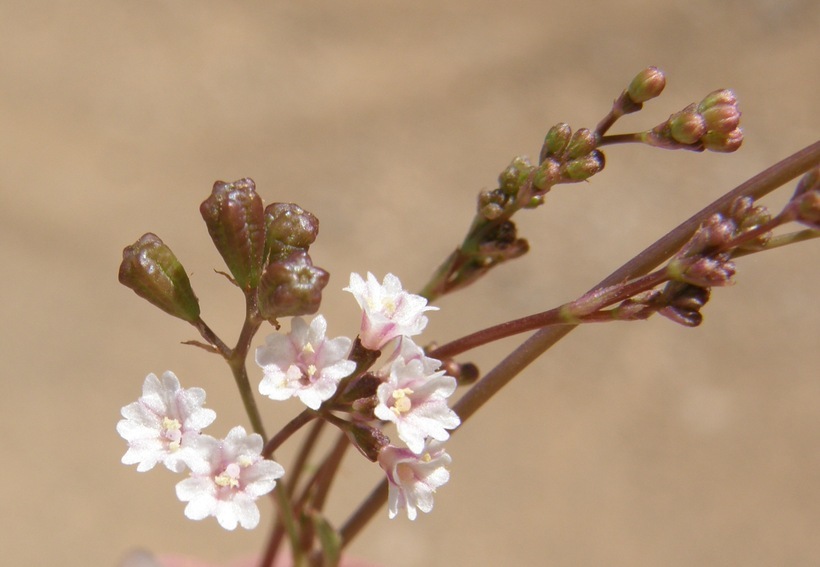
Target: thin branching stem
660, 251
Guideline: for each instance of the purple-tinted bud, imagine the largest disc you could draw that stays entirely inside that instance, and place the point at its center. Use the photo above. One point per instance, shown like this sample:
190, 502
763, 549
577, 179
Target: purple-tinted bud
368, 440
547, 175
154, 273
683, 303
722, 118
805, 203
291, 288
556, 140
720, 97
581, 143
685, 317
723, 142
687, 126
646, 85
702, 271
584, 167
288, 228
235, 220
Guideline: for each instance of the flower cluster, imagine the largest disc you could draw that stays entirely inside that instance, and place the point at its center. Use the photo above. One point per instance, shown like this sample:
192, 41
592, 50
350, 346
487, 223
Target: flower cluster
225, 476
408, 390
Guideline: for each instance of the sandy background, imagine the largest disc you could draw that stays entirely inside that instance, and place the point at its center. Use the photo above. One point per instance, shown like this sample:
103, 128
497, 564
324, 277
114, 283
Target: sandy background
640, 444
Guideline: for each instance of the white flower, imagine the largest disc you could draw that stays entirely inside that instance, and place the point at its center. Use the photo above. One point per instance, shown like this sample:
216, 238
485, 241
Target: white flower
160, 426
232, 476
413, 479
304, 363
388, 310
417, 403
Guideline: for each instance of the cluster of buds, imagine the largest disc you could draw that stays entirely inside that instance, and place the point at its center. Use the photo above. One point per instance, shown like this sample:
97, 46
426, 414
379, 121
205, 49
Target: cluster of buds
265, 249
568, 157
712, 124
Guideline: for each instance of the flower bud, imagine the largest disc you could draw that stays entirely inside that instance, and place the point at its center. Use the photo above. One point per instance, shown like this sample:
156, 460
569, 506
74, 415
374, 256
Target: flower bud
154, 273
510, 180
687, 126
556, 140
702, 271
581, 143
646, 85
722, 118
288, 228
584, 167
291, 288
547, 175
368, 440
721, 97
723, 142
234, 217
805, 203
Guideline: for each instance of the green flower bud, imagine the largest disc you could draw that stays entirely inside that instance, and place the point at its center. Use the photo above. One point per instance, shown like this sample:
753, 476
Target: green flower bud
547, 175
556, 140
719, 142
291, 288
288, 228
687, 126
721, 118
721, 97
581, 143
646, 85
584, 167
154, 273
235, 220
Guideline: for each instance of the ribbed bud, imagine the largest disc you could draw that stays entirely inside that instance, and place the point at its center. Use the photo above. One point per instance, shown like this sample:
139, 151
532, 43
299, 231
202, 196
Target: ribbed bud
556, 140
687, 126
510, 180
719, 97
683, 303
805, 203
584, 167
723, 142
288, 228
235, 220
154, 273
547, 175
581, 143
291, 288
722, 118
646, 85
368, 440
702, 271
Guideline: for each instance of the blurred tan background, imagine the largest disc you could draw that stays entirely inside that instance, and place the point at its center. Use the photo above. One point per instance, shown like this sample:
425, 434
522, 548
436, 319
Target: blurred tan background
639, 444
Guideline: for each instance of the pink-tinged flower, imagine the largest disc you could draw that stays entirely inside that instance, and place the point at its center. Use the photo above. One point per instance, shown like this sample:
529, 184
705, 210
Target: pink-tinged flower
304, 363
417, 403
231, 477
413, 479
388, 310
408, 350
160, 426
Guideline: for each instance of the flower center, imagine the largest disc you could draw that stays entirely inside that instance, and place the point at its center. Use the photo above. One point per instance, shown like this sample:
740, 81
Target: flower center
401, 401
229, 477
171, 430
